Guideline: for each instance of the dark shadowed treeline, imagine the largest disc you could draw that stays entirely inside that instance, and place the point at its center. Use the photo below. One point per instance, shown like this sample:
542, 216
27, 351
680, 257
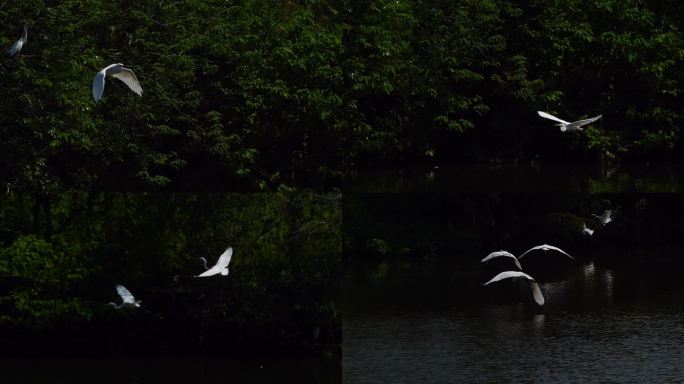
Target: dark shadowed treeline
459, 230
61, 257
250, 95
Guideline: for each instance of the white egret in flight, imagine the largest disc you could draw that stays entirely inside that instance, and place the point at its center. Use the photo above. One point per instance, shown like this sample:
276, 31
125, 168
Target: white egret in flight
221, 265
566, 125
545, 247
119, 72
586, 230
16, 47
502, 254
127, 299
606, 217
536, 291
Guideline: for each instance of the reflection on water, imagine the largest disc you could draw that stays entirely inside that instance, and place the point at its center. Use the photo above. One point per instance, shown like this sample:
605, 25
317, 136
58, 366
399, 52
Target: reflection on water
608, 284
170, 370
599, 325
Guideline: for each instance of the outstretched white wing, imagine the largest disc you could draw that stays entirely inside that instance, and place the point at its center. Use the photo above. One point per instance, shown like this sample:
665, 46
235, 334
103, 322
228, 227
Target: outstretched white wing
224, 259
128, 77
215, 270
98, 85
16, 47
537, 294
551, 117
530, 250
125, 294
508, 275
502, 254
580, 123
551, 247
545, 247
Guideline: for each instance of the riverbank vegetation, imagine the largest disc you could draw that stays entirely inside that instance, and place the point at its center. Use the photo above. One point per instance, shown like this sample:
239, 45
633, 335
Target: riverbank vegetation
61, 257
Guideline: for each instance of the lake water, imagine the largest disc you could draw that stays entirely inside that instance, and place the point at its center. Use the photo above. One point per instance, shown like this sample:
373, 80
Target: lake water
603, 323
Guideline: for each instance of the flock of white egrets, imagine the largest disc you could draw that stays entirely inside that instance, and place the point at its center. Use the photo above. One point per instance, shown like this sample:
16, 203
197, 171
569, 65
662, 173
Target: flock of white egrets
221, 267
604, 219
115, 70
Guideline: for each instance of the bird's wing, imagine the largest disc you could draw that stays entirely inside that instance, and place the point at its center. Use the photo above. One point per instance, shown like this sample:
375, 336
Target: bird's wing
559, 250
16, 47
580, 123
537, 293
517, 263
224, 259
128, 77
125, 294
215, 270
98, 85
496, 254
529, 250
507, 275
503, 254
551, 117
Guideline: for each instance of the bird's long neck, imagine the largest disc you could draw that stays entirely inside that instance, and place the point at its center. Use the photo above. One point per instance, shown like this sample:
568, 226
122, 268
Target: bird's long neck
116, 306
24, 34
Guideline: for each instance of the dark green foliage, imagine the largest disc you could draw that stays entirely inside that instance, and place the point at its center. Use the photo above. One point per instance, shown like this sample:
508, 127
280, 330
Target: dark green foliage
60, 258
253, 95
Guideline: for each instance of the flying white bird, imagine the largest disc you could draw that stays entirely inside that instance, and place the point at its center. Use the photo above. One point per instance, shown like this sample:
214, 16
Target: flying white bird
221, 265
586, 230
119, 72
502, 254
536, 291
16, 47
566, 125
545, 247
606, 217
127, 298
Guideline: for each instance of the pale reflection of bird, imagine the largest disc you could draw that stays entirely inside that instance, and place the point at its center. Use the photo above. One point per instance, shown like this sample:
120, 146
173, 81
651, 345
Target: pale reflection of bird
545, 247
118, 71
536, 291
566, 125
128, 301
606, 217
586, 230
221, 265
16, 47
502, 254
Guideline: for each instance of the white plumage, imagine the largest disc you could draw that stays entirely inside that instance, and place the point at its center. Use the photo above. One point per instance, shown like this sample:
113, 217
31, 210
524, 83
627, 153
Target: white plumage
119, 72
16, 47
502, 254
606, 217
566, 125
221, 265
536, 291
586, 230
127, 299
545, 247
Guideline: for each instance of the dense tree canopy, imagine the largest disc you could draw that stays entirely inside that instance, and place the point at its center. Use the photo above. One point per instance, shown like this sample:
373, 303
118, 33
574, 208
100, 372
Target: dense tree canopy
253, 95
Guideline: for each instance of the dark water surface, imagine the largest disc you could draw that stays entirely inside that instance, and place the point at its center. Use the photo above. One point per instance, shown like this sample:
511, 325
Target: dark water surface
603, 323
169, 370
